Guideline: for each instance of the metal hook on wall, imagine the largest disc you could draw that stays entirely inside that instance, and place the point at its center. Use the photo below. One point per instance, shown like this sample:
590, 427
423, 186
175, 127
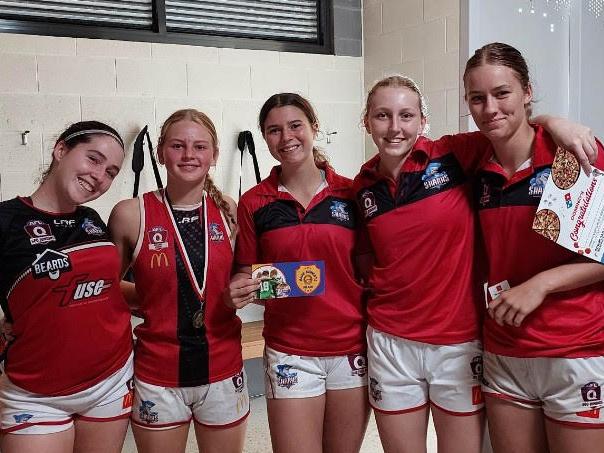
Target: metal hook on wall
24, 137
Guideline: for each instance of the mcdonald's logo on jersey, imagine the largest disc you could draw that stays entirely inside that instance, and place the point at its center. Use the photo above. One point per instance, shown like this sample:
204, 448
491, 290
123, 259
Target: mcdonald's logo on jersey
158, 260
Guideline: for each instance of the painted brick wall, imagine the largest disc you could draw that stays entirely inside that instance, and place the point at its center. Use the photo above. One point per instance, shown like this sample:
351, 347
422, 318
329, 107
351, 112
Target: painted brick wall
420, 39
47, 83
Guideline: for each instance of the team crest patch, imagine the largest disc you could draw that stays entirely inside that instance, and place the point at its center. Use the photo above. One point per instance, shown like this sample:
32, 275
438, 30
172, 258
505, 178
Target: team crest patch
476, 366
433, 177
537, 183
308, 278
158, 238
339, 211
285, 378
238, 382
368, 203
22, 418
374, 390
358, 364
146, 414
39, 232
591, 394
50, 264
216, 234
90, 228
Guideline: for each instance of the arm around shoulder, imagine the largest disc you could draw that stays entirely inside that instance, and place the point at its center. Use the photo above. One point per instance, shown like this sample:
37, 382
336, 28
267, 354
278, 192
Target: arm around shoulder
124, 224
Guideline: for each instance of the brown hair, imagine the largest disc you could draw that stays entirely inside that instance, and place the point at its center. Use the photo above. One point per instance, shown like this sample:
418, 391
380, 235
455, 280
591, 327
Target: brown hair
397, 81
501, 54
295, 100
211, 189
81, 132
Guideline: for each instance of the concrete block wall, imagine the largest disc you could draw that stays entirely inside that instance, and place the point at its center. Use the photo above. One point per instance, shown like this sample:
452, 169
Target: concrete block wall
420, 39
46, 83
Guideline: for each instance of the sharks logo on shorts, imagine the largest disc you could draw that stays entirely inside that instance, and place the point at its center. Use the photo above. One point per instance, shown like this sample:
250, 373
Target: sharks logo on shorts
22, 418
433, 178
339, 211
285, 378
374, 391
146, 414
537, 183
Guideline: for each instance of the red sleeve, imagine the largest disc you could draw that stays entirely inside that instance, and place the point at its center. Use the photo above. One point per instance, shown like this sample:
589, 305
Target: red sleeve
470, 149
246, 245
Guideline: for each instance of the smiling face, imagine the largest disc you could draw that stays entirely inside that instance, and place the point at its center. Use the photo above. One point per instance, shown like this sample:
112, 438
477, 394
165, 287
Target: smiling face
394, 120
86, 171
289, 135
497, 100
188, 151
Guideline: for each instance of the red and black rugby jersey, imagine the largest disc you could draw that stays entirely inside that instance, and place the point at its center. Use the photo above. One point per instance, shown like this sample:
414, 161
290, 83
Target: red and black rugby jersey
274, 227
171, 350
424, 285
566, 324
60, 288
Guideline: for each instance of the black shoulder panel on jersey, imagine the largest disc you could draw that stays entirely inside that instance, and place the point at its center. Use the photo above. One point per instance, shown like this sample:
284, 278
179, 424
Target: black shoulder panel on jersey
489, 192
278, 214
333, 211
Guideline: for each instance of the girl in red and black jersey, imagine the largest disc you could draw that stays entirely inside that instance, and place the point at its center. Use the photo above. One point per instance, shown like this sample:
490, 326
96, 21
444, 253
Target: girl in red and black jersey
544, 336
67, 376
178, 242
315, 350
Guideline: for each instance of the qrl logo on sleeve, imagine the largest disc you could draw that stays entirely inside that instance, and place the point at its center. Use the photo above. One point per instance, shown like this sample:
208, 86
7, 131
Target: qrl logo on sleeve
158, 238
39, 232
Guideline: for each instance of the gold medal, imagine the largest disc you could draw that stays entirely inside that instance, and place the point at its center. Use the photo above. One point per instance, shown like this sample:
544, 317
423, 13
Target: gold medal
198, 318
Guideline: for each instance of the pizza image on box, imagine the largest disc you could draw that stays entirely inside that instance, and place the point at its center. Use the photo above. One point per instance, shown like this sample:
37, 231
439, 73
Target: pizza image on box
547, 224
565, 169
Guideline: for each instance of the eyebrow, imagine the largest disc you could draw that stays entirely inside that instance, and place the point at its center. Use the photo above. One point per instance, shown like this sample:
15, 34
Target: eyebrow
505, 85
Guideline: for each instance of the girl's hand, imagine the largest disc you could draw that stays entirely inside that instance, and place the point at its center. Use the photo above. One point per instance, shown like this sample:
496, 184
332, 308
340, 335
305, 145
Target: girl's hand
241, 291
515, 304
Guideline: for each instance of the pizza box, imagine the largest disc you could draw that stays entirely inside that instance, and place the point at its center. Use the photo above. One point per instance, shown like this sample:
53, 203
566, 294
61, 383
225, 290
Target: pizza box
571, 211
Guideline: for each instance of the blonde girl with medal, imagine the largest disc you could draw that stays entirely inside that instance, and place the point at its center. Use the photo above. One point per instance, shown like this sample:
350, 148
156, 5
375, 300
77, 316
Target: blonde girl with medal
178, 243
316, 377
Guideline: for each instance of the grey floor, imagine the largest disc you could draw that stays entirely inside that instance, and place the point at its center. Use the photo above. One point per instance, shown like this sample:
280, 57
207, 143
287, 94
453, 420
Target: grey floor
258, 438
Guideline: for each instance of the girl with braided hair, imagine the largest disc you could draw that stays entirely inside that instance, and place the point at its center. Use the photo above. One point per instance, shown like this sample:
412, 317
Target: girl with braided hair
188, 354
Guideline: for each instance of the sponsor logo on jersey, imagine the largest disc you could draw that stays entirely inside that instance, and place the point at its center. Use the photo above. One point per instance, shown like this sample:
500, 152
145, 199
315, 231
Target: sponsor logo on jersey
158, 238
81, 290
308, 278
90, 228
216, 233
591, 394
358, 364
477, 397
158, 260
368, 203
476, 366
189, 219
433, 178
537, 183
22, 418
285, 378
39, 232
50, 264
374, 390
238, 382
64, 223
339, 211
485, 196
145, 412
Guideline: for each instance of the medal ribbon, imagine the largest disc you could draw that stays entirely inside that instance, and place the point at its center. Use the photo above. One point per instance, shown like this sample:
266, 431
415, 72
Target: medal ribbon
203, 210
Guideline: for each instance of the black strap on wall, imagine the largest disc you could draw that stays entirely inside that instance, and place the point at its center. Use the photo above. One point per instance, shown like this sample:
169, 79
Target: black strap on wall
246, 140
138, 160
